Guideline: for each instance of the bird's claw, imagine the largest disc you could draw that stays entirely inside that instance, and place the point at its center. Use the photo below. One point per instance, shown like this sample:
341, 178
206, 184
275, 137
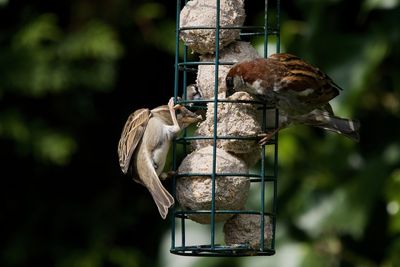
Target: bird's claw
178, 106
265, 137
172, 106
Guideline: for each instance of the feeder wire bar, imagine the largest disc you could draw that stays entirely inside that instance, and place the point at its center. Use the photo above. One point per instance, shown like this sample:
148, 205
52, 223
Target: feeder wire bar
176, 84
214, 165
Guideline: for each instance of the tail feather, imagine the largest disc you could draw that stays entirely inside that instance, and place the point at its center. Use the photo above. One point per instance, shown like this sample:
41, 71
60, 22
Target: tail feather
347, 127
161, 197
149, 178
324, 118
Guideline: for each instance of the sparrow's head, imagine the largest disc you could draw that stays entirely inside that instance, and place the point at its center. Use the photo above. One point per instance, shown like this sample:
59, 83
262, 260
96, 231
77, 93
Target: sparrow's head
185, 117
234, 80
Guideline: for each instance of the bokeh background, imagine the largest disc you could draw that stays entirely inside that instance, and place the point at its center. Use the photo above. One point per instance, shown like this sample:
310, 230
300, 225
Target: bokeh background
72, 71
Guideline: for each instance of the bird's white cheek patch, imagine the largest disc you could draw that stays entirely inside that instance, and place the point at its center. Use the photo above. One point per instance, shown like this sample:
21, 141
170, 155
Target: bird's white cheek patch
306, 92
276, 87
257, 86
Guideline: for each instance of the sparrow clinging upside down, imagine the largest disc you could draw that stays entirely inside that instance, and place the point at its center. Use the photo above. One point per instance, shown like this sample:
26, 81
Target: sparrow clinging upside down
300, 91
144, 144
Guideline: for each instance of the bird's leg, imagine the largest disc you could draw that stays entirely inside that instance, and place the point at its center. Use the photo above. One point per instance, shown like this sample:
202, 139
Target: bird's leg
265, 137
173, 115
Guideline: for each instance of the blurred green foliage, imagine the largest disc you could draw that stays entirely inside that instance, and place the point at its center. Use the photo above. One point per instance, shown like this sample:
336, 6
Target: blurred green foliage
72, 71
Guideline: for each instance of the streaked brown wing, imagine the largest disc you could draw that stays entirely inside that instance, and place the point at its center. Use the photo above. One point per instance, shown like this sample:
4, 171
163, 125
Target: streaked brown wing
131, 135
305, 80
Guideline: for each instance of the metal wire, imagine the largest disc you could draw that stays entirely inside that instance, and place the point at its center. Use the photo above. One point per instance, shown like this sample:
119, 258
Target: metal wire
263, 179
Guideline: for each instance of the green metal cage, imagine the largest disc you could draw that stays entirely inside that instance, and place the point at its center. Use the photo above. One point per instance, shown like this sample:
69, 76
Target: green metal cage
266, 175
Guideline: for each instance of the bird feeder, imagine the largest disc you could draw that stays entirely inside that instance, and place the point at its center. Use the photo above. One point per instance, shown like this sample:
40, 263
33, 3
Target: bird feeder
211, 184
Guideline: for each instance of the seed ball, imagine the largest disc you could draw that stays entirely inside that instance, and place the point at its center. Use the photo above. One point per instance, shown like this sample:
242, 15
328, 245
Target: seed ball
234, 119
245, 229
197, 13
194, 192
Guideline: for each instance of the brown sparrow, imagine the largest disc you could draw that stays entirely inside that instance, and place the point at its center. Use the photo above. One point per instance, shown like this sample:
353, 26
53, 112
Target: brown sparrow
144, 145
299, 90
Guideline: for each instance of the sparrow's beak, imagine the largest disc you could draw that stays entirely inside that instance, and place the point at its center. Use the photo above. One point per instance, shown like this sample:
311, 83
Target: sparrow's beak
229, 86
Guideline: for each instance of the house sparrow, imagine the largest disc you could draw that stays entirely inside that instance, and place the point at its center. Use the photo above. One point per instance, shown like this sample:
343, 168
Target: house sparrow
300, 91
193, 92
144, 145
